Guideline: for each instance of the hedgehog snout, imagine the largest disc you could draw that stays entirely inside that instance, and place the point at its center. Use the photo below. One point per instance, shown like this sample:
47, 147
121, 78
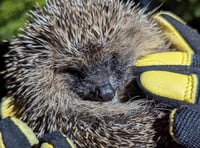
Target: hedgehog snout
105, 92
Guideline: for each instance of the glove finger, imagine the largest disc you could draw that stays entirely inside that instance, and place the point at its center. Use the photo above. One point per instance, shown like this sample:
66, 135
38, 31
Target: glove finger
180, 62
183, 37
166, 58
184, 126
55, 140
15, 133
172, 88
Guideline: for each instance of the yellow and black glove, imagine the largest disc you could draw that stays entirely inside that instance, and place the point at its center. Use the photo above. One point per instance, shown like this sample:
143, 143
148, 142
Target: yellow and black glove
16, 134
55, 140
174, 78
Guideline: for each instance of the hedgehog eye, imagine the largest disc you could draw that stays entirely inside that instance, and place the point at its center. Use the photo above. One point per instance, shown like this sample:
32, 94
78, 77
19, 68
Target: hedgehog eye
72, 71
75, 72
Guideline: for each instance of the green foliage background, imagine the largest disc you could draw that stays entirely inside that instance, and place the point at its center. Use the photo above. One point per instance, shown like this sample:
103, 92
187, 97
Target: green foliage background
13, 13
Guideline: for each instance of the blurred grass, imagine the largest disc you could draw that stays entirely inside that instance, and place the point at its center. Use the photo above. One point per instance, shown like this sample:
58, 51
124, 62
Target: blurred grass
13, 12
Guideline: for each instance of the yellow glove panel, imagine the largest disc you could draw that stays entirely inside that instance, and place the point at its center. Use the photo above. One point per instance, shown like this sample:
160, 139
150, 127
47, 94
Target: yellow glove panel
2, 144
166, 58
46, 145
26, 131
170, 85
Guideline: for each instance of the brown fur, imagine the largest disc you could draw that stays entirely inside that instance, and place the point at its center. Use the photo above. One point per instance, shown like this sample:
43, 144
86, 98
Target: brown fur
67, 49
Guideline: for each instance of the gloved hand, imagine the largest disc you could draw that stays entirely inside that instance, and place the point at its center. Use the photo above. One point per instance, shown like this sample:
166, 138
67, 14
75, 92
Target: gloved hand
173, 78
16, 134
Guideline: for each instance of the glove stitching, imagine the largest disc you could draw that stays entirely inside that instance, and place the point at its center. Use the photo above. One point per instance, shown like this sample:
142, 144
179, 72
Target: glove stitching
188, 89
188, 60
183, 59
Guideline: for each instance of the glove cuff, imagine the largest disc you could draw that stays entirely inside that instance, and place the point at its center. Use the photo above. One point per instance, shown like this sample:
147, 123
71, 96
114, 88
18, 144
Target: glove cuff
185, 127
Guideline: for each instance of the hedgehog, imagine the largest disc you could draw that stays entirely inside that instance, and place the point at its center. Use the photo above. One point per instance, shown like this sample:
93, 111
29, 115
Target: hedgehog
70, 68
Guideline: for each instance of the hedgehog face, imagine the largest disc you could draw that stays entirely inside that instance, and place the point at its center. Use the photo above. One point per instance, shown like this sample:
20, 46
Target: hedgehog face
99, 81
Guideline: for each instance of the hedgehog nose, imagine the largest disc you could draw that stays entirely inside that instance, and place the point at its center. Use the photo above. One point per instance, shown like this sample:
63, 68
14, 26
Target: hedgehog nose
106, 92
